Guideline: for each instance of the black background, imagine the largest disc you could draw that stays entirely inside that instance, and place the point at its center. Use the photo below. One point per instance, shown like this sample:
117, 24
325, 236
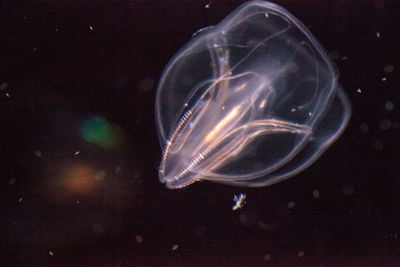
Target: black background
63, 62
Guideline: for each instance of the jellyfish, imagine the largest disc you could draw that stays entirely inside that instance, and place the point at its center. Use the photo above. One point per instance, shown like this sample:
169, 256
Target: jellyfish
249, 102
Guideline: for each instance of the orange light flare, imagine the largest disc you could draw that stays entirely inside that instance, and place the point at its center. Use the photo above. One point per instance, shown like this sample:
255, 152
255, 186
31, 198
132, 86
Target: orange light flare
80, 179
83, 182
67, 180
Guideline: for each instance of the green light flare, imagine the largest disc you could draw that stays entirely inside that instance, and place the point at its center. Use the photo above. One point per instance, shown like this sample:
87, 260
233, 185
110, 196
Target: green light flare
99, 131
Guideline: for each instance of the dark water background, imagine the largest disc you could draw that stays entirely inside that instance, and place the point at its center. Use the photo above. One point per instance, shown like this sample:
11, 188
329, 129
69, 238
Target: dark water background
70, 201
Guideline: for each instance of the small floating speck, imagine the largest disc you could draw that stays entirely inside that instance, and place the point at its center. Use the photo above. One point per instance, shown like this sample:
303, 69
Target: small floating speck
389, 105
20, 200
91, 28
388, 68
98, 229
364, 128
243, 218
38, 153
175, 247
316, 193
348, 190
207, 6
8, 95
266, 15
3, 86
118, 169
378, 35
393, 235
51, 253
264, 226
291, 204
139, 239
12, 181
77, 153
378, 145
384, 79
267, 257
385, 124
300, 254
359, 90
99, 176
146, 84
335, 55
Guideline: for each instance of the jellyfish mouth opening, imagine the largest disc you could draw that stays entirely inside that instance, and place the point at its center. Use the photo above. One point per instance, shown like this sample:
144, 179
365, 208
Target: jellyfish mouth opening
177, 182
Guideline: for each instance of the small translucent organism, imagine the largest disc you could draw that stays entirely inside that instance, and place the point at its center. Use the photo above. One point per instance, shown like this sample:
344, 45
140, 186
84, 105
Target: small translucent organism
240, 201
249, 102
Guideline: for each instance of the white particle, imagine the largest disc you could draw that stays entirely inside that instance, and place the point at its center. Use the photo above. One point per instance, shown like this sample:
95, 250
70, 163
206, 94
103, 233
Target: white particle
240, 201
38, 154
389, 105
316, 193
